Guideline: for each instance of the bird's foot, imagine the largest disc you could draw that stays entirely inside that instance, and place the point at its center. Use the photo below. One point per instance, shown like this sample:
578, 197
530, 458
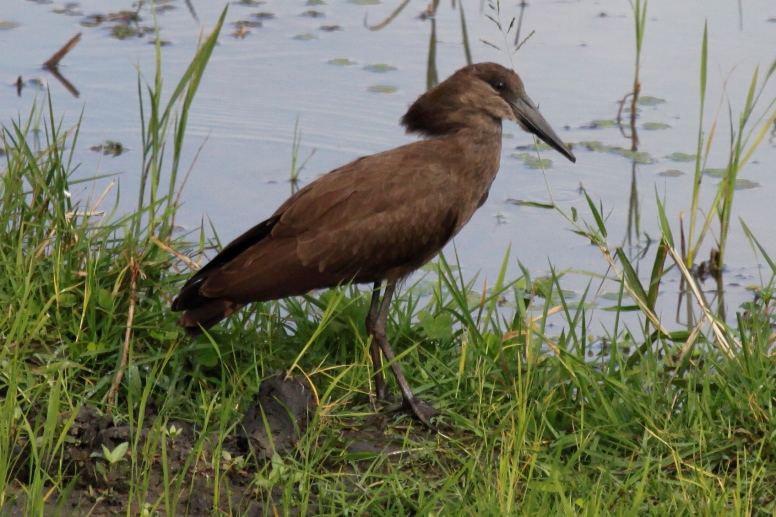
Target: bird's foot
422, 411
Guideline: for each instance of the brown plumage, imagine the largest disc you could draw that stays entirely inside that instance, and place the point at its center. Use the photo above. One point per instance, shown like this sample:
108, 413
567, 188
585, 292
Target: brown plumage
378, 218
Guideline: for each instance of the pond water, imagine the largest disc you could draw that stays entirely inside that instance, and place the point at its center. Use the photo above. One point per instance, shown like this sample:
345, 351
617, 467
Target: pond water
347, 86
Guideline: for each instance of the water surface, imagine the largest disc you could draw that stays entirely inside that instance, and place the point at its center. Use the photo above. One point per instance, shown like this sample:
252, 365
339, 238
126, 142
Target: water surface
577, 65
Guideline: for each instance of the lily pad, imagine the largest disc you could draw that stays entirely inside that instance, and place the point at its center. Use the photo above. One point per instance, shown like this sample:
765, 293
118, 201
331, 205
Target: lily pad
641, 157
600, 124
653, 126
646, 100
247, 24
341, 61
715, 173
533, 147
8, 25
672, 173
380, 68
679, 156
744, 184
306, 37
382, 88
595, 145
365, 2
532, 162
69, 9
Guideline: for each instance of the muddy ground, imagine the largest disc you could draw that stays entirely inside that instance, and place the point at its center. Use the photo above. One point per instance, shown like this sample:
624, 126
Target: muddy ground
99, 489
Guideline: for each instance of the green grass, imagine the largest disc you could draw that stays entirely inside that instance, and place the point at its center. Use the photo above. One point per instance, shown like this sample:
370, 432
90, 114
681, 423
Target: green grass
537, 418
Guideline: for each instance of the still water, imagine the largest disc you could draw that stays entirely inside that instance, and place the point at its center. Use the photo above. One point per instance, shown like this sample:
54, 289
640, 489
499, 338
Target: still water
347, 77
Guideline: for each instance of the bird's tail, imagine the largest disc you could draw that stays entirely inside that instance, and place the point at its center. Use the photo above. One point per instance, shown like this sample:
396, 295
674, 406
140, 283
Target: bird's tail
206, 315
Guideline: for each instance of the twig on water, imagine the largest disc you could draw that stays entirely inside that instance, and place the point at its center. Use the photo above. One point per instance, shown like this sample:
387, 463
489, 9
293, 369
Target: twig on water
54, 60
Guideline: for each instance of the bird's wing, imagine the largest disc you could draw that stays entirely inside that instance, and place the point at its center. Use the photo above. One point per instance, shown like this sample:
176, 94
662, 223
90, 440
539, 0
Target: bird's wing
382, 211
391, 210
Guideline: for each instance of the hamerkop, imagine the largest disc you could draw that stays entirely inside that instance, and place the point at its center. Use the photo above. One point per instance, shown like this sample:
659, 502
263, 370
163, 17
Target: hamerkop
379, 218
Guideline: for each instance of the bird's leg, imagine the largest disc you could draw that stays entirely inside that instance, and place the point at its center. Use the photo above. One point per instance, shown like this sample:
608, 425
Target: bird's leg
374, 348
422, 411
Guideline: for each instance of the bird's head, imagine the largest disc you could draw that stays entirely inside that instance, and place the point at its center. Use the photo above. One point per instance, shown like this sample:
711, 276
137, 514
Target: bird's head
483, 93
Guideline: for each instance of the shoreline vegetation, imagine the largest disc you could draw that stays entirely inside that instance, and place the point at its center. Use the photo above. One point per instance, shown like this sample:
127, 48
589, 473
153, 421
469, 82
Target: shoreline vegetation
105, 407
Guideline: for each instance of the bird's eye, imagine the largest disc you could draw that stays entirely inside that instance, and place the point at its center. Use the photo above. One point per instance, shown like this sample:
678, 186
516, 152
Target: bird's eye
499, 85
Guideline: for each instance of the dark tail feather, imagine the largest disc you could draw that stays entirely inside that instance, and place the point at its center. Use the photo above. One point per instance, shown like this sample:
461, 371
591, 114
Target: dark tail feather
207, 315
201, 311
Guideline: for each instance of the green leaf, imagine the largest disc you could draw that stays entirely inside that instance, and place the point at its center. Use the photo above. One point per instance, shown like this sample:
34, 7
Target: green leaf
67, 300
632, 278
679, 156
207, 356
341, 61
436, 327
382, 88
380, 68
105, 298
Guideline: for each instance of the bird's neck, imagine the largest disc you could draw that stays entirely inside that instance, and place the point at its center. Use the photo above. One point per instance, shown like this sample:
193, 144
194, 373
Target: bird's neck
481, 146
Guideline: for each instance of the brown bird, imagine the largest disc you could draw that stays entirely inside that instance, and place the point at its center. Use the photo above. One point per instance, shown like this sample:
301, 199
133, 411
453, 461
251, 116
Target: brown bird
378, 218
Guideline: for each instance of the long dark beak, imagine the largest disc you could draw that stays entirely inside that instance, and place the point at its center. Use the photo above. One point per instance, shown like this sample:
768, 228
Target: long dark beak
531, 120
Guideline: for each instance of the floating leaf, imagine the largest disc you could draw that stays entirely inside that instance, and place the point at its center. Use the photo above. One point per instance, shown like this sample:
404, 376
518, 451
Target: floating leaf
380, 68
652, 126
600, 124
681, 157
365, 2
641, 157
533, 147
532, 162
247, 24
341, 61
305, 37
715, 173
595, 145
672, 173
8, 25
382, 88
744, 184
646, 100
